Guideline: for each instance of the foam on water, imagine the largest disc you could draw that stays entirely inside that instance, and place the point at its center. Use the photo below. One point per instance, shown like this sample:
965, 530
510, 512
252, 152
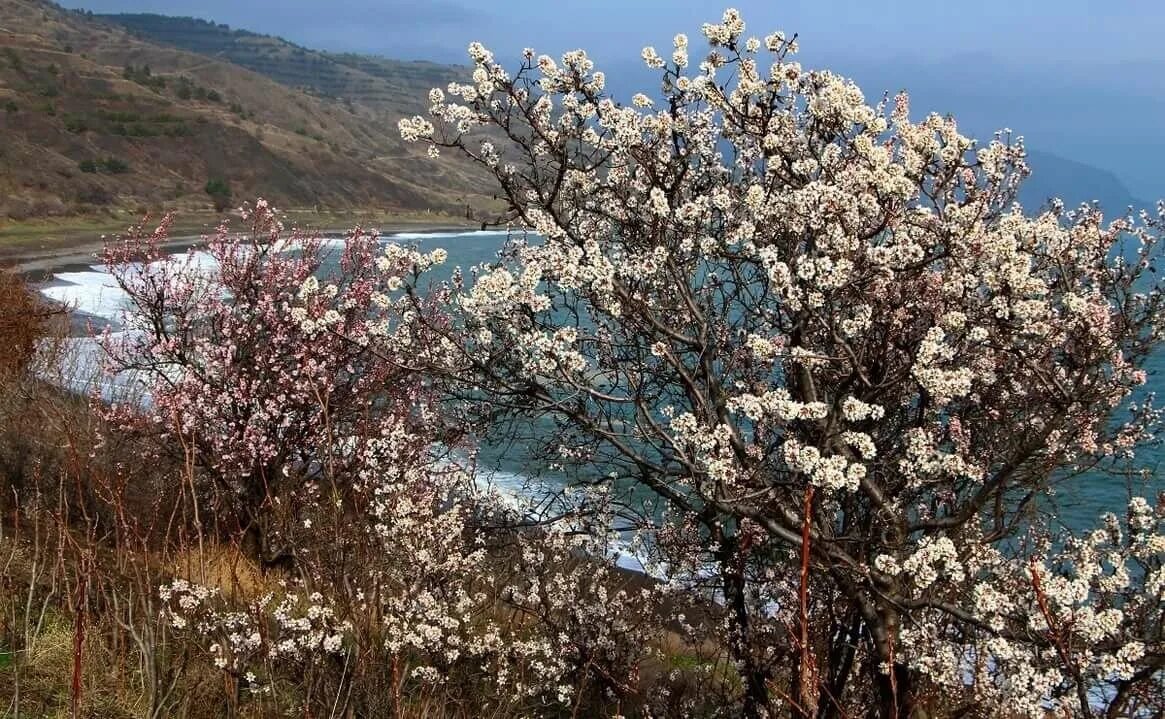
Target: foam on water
95, 293
92, 292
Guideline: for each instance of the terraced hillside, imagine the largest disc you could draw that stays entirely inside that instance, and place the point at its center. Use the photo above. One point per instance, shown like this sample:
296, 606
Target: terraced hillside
94, 119
376, 81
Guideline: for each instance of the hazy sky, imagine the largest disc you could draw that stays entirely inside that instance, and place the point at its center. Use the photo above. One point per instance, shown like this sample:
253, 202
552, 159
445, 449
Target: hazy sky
1082, 78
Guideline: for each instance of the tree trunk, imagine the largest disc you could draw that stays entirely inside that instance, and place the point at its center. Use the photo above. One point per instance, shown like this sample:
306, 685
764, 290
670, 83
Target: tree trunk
894, 693
756, 689
841, 663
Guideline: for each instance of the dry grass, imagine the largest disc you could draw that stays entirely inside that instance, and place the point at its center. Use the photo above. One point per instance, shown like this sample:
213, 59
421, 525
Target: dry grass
223, 567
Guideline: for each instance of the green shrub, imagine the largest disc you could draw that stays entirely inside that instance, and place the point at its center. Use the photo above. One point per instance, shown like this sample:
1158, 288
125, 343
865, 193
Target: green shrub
10, 106
115, 116
110, 165
140, 130
75, 123
114, 166
180, 129
220, 193
143, 76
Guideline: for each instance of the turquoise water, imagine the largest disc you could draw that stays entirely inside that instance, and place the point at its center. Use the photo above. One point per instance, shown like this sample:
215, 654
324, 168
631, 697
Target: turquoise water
1078, 503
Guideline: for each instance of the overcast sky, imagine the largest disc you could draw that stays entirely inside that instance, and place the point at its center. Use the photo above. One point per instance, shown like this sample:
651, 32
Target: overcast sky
1082, 78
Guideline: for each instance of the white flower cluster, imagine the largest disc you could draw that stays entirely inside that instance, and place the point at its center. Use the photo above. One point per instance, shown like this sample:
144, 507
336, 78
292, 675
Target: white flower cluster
777, 404
834, 473
296, 629
943, 384
933, 559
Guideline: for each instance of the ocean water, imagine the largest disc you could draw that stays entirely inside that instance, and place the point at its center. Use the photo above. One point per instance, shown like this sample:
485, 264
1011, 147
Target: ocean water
98, 303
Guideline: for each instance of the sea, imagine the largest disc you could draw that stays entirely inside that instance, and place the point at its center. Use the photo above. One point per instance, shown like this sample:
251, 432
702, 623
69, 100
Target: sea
97, 303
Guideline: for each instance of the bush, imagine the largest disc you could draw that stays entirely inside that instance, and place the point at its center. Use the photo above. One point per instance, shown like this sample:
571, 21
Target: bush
10, 106
75, 123
22, 319
141, 130
277, 365
144, 76
110, 165
220, 193
115, 166
120, 116
179, 129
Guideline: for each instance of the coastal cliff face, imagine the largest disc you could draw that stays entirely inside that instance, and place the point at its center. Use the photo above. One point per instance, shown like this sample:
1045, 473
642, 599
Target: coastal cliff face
95, 117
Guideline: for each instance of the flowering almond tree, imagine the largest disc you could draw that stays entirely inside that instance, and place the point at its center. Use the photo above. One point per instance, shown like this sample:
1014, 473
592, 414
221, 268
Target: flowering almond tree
257, 371
845, 367
285, 377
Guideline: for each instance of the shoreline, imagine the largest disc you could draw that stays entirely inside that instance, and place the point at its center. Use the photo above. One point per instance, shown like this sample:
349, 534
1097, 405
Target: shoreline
48, 270
35, 264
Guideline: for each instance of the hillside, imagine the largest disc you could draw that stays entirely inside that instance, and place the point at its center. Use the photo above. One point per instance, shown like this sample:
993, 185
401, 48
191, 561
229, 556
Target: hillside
94, 119
370, 80
102, 113
1074, 183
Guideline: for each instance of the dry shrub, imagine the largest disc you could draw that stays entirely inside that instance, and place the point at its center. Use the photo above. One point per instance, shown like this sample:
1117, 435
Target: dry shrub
23, 320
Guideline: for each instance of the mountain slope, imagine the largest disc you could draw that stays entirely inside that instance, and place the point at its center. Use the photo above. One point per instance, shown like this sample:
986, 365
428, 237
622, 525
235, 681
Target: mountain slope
93, 118
1074, 183
103, 112
375, 81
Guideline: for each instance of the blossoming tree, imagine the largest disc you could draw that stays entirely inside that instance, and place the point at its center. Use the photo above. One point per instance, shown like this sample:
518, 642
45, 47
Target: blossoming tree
847, 369
256, 371
284, 375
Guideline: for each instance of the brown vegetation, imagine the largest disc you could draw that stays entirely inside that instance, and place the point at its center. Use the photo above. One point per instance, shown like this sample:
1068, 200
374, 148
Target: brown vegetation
89, 531
93, 119
22, 320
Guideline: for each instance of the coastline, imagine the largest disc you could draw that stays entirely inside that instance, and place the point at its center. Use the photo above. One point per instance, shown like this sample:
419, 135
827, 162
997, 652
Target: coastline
35, 264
